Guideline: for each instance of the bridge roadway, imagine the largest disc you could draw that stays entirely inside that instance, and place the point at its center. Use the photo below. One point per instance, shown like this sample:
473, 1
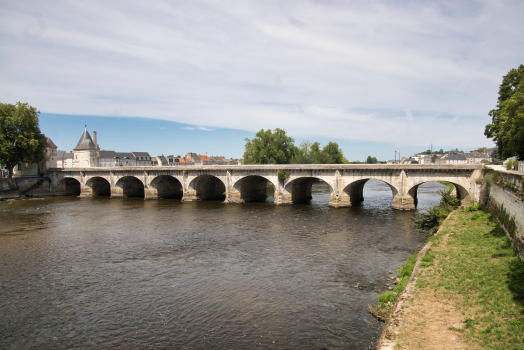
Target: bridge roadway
245, 183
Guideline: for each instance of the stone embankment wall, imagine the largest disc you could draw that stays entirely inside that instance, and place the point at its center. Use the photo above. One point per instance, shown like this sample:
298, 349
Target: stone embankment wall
503, 195
25, 187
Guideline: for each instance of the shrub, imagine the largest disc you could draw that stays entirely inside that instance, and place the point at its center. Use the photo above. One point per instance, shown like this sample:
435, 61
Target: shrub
282, 175
471, 208
388, 297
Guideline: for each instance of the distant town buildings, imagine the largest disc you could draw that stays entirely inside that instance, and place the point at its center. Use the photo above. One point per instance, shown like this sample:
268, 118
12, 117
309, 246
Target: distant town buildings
87, 154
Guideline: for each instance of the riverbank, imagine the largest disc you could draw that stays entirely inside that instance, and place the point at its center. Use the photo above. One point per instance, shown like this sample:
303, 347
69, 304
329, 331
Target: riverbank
469, 293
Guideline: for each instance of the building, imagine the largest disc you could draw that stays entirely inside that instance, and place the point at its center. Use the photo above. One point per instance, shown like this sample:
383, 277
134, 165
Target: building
185, 161
110, 159
454, 159
33, 169
65, 159
160, 161
477, 157
86, 151
142, 158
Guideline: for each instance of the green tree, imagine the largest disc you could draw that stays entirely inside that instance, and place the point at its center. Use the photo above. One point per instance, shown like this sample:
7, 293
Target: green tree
507, 127
269, 147
371, 160
20, 138
333, 154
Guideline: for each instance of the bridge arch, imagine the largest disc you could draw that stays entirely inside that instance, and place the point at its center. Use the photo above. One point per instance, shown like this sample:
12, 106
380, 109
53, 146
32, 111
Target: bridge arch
166, 186
207, 187
299, 188
129, 186
97, 186
251, 188
355, 190
462, 193
69, 186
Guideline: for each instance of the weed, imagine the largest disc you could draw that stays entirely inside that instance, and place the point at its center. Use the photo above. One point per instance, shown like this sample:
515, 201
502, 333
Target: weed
282, 175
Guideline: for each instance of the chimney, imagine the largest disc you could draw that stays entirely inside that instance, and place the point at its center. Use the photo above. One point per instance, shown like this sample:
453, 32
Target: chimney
484, 149
94, 139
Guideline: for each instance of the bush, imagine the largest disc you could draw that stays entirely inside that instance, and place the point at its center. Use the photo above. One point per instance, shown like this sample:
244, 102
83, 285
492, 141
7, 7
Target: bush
471, 208
430, 220
282, 175
388, 297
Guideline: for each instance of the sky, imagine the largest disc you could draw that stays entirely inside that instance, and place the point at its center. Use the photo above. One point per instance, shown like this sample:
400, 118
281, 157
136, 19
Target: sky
171, 77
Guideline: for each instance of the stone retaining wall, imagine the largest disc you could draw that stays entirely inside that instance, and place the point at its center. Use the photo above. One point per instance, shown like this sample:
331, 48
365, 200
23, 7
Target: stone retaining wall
503, 196
25, 186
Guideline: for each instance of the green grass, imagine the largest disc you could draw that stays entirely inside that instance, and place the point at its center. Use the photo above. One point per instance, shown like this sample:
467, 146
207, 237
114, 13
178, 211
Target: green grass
480, 265
387, 300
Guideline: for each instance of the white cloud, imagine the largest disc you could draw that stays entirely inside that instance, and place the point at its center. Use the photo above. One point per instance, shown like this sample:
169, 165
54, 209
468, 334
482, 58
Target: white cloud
402, 72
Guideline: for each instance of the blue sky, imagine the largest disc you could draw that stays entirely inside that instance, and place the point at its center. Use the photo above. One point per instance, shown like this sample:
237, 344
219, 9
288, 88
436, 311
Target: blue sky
172, 77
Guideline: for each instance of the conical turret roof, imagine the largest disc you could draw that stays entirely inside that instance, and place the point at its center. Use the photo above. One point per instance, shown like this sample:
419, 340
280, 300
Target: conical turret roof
85, 143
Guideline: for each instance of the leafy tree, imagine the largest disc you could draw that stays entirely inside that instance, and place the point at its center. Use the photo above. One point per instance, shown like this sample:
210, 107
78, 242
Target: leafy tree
371, 160
507, 127
333, 154
20, 138
269, 147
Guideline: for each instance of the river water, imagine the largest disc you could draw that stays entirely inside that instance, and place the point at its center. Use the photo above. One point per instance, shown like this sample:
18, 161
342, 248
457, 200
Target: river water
101, 273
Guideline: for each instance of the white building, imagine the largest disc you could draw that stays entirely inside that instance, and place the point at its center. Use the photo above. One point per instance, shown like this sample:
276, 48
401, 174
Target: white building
86, 151
65, 159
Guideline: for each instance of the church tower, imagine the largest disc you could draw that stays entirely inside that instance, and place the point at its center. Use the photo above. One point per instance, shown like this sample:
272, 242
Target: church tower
86, 152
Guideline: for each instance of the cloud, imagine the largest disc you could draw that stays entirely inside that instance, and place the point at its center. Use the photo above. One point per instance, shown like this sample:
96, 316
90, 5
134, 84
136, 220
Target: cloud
203, 128
403, 72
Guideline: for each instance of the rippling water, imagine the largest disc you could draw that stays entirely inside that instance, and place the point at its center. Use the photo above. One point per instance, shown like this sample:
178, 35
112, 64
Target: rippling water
85, 273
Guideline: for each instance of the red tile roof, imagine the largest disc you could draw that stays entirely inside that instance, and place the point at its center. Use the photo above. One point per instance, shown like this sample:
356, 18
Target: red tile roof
204, 158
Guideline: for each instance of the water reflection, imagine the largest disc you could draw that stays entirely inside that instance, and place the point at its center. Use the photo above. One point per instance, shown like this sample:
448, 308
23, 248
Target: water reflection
127, 273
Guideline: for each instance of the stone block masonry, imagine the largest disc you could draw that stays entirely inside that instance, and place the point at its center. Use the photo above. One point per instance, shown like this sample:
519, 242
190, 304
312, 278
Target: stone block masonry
502, 196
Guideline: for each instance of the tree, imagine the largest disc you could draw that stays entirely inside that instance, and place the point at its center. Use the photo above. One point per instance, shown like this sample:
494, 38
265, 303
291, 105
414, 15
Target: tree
333, 154
20, 138
507, 127
371, 160
269, 147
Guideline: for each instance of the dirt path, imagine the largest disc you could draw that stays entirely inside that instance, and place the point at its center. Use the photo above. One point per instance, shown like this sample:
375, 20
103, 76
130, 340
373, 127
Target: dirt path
424, 319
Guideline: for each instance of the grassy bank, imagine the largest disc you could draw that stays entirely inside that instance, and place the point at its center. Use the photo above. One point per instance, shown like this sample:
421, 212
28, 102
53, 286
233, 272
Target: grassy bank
427, 221
470, 289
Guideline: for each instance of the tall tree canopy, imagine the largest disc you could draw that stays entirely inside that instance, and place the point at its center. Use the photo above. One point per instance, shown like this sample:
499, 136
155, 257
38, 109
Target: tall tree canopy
507, 127
269, 147
275, 147
20, 138
371, 160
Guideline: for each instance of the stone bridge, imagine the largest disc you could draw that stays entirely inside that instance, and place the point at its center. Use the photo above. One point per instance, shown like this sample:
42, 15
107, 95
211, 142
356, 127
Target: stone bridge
247, 183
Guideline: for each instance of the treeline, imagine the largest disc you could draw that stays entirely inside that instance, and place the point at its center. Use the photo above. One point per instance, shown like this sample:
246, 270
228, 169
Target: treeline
276, 147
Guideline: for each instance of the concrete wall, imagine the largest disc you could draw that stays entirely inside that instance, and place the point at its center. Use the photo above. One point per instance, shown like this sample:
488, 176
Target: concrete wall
503, 195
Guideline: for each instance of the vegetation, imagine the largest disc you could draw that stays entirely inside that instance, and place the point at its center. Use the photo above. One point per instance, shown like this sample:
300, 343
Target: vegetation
269, 147
429, 220
282, 175
387, 300
275, 147
476, 270
20, 138
507, 127
371, 160
311, 153
441, 151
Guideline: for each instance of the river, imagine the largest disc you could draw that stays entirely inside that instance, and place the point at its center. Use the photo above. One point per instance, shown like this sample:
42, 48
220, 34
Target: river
101, 273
